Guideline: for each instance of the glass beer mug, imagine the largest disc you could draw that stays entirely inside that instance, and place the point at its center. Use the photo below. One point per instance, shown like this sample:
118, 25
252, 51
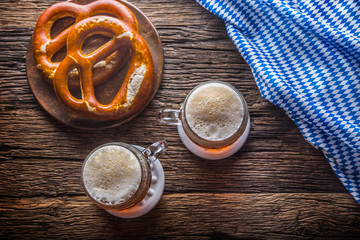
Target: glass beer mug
213, 122
117, 176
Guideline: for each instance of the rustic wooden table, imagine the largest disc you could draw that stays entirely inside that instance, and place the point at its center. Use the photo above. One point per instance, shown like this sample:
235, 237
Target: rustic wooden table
277, 187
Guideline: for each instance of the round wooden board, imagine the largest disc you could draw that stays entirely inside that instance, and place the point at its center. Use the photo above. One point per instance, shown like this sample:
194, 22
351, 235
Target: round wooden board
45, 94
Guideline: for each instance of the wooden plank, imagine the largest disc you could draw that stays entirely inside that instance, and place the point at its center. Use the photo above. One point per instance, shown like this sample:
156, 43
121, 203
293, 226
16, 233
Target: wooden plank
25, 173
193, 216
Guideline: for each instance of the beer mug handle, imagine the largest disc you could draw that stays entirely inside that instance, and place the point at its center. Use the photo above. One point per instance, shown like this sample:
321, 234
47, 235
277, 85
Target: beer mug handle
168, 116
152, 152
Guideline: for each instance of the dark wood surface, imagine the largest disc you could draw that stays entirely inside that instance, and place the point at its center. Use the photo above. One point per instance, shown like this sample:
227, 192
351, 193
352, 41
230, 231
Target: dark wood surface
277, 187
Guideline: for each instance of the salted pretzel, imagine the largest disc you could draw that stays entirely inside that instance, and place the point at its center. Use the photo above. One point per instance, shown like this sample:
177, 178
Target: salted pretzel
137, 87
45, 47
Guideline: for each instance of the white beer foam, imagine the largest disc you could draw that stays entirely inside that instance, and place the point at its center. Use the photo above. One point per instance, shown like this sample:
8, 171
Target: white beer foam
214, 111
112, 174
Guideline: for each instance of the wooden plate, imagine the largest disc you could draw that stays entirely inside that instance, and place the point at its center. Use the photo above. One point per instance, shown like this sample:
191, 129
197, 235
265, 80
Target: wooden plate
45, 94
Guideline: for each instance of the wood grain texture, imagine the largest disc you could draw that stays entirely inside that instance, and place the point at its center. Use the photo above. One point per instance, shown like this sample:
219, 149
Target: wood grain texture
190, 216
277, 187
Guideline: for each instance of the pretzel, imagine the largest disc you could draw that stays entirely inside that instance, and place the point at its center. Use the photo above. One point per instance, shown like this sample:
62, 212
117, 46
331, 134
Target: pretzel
138, 85
45, 47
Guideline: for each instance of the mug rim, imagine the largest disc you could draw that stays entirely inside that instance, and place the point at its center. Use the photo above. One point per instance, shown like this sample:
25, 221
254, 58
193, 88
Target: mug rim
143, 187
217, 143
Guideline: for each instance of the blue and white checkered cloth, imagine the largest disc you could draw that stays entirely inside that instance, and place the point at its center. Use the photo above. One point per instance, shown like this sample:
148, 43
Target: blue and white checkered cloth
305, 58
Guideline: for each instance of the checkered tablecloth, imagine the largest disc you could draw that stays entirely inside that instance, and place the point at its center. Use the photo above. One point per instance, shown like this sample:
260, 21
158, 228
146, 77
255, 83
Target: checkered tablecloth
305, 58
